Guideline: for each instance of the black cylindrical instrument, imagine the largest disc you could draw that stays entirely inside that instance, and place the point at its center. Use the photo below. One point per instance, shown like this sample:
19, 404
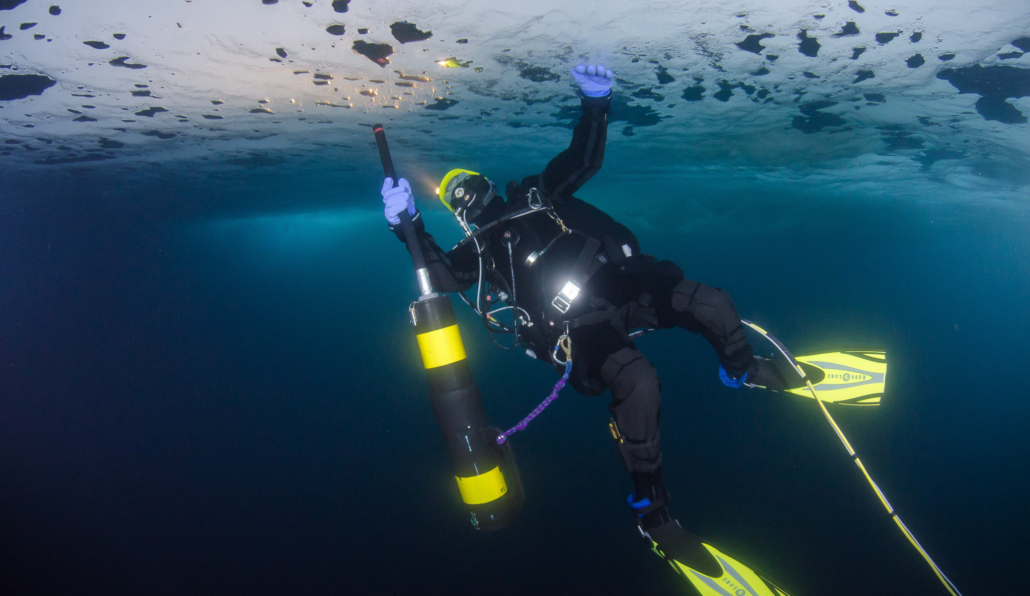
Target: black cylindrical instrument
486, 474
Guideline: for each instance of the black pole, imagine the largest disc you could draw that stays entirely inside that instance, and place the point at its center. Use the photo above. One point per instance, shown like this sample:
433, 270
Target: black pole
406, 225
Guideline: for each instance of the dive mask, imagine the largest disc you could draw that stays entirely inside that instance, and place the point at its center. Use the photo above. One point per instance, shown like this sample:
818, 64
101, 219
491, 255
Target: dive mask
467, 194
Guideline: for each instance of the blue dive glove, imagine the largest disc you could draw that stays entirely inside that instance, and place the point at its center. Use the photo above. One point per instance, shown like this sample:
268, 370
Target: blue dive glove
730, 381
396, 199
593, 80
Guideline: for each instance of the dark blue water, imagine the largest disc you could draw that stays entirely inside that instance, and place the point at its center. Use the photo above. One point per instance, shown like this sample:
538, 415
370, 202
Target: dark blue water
220, 393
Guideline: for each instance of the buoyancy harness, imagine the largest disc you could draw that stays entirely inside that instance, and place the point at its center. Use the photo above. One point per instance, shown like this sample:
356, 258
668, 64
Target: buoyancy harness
546, 281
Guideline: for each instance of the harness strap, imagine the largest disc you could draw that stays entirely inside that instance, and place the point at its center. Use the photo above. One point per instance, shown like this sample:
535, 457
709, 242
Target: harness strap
608, 315
581, 270
586, 265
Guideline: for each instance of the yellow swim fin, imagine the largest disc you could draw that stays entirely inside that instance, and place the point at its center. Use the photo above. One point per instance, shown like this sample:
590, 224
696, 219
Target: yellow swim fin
852, 378
709, 571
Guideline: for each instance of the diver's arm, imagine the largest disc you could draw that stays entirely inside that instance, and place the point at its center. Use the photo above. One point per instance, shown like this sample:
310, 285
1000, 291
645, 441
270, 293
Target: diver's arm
577, 164
455, 271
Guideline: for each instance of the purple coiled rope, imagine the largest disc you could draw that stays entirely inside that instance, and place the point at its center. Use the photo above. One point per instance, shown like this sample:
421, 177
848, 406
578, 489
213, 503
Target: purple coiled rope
501, 438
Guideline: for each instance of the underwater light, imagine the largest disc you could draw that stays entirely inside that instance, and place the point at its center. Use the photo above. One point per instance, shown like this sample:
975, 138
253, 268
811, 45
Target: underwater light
453, 62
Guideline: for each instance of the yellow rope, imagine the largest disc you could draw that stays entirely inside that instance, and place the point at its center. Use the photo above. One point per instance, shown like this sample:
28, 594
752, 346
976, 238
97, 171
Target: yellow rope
879, 493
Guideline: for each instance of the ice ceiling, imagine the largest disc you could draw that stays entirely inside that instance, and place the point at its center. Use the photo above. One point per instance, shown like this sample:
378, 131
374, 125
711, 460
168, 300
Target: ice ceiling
938, 88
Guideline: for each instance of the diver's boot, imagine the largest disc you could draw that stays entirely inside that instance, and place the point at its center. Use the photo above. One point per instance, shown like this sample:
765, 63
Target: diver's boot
649, 500
772, 374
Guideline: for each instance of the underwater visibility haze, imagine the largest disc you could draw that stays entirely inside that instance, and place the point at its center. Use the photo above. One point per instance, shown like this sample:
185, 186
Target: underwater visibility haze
209, 378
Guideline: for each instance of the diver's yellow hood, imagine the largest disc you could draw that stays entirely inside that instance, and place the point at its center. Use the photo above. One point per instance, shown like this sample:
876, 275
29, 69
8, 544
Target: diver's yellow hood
442, 191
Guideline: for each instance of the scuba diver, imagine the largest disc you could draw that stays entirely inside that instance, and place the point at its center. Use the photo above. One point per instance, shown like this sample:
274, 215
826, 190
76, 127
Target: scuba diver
566, 269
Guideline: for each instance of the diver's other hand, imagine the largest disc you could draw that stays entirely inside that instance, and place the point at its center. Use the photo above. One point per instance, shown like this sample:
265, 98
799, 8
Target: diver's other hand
594, 79
396, 198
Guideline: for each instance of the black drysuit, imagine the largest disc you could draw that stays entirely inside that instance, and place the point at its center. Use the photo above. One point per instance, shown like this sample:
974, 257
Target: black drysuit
621, 289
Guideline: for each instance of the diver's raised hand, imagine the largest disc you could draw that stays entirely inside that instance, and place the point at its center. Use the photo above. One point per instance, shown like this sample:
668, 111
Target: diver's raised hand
594, 79
396, 198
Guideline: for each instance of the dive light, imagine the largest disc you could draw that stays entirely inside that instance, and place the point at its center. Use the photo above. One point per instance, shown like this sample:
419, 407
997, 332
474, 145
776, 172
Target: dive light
486, 473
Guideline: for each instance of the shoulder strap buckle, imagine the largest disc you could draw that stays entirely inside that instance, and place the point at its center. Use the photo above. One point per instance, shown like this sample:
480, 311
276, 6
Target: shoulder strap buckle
563, 301
583, 269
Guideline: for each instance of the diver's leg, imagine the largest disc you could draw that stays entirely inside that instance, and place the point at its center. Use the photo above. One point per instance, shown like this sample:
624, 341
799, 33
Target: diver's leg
709, 311
662, 298
637, 407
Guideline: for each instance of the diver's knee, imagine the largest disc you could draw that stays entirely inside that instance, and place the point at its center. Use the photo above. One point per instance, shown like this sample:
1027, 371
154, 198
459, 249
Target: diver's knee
711, 307
627, 372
